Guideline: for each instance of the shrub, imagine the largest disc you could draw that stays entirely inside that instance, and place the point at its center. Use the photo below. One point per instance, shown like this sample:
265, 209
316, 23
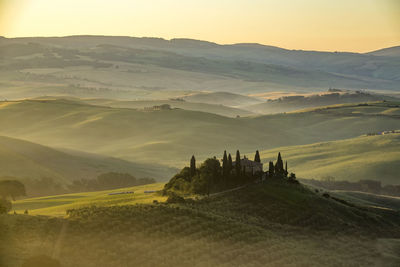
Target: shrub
175, 198
292, 179
12, 188
5, 206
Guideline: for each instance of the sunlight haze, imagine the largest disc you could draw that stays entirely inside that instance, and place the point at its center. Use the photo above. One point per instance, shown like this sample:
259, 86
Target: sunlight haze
357, 25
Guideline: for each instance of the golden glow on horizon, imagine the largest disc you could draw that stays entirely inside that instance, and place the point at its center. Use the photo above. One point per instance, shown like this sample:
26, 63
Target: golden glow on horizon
342, 25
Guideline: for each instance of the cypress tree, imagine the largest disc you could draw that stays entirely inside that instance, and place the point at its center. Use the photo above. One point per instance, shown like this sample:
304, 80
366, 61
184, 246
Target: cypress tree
192, 166
225, 165
279, 166
286, 172
257, 157
271, 169
230, 165
237, 163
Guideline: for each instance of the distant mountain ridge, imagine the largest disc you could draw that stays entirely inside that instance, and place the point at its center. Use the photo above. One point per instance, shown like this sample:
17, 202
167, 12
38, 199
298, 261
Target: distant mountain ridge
388, 52
127, 67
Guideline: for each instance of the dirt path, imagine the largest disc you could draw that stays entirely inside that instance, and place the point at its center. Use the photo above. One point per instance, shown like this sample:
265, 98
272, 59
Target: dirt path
226, 191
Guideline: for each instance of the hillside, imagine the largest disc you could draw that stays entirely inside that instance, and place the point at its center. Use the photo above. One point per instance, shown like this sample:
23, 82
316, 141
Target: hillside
171, 137
223, 98
368, 199
150, 68
26, 160
364, 157
292, 103
271, 224
219, 109
387, 52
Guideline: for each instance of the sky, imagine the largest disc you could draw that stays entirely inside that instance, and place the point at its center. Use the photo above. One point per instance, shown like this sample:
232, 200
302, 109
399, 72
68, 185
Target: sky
325, 25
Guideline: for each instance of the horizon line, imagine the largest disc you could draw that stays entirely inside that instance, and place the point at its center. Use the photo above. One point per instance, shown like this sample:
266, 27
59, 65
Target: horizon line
198, 40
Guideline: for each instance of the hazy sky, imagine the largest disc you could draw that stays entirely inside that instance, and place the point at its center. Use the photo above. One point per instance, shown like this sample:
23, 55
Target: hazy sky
342, 25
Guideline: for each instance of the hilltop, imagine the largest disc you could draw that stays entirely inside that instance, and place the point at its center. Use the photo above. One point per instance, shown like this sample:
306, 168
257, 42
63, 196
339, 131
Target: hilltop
272, 223
387, 52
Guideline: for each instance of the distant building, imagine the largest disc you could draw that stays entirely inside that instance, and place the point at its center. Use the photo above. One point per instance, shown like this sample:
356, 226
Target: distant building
250, 166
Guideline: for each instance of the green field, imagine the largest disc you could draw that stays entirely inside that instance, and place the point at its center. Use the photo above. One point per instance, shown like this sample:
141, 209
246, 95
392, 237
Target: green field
271, 224
364, 157
59, 204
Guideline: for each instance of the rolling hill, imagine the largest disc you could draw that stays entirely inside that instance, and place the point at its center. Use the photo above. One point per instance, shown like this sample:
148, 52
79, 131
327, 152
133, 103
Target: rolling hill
26, 160
387, 52
298, 102
171, 137
268, 224
214, 108
364, 157
223, 98
150, 68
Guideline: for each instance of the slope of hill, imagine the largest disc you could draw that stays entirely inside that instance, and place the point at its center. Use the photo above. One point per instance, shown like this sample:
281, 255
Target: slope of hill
387, 52
365, 157
270, 224
26, 160
149, 68
292, 103
219, 109
223, 98
170, 137
368, 199
337, 62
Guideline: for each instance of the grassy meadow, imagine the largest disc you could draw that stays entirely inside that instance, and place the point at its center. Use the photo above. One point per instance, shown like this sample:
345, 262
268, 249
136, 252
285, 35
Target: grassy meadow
364, 157
59, 204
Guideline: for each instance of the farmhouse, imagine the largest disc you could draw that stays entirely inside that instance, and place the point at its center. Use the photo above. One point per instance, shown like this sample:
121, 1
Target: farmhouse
249, 166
